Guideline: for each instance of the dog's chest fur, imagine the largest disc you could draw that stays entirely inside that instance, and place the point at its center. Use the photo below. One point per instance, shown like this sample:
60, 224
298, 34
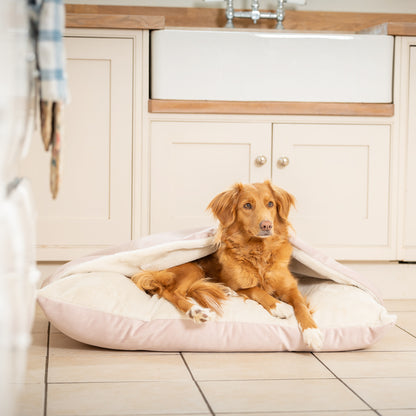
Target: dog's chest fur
254, 256
260, 259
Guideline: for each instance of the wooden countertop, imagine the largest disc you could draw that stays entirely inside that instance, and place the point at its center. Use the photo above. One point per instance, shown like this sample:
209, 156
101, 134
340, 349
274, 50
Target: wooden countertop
113, 21
271, 108
138, 17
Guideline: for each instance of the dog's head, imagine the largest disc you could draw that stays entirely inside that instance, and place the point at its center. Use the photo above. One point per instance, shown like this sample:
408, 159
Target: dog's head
259, 210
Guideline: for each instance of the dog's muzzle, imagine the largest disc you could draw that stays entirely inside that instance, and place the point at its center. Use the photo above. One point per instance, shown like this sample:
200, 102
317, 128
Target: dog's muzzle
266, 228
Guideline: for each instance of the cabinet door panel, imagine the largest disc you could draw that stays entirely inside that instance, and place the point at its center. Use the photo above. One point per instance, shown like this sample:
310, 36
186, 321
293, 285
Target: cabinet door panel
339, 175
192, 162
408, 244
93, 207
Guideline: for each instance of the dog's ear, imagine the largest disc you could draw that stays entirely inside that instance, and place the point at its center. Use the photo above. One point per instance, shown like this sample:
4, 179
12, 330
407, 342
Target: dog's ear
284, 200
224, 205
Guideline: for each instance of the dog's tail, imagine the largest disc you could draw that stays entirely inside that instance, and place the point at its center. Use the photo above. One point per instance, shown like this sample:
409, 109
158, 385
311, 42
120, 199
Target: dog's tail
207, 294
202, 291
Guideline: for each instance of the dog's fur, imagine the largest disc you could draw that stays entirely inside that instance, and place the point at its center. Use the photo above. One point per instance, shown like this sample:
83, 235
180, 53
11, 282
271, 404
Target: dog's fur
252, 259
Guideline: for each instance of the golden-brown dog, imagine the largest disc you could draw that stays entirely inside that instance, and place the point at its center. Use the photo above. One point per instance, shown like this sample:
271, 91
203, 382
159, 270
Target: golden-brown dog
252, 259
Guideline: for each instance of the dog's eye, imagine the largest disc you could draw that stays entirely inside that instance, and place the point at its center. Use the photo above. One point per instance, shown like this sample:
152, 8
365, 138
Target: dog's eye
248, 205
270, 204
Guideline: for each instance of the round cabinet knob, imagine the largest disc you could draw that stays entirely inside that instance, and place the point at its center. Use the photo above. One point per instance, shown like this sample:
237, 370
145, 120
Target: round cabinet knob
283, 161
260, 160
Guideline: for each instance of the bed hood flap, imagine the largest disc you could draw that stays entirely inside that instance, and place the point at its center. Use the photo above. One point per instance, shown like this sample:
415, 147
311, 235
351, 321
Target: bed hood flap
160, 251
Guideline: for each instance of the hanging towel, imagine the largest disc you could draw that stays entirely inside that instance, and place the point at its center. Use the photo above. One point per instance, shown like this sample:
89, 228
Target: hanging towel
47, 25
56, 163
50, 50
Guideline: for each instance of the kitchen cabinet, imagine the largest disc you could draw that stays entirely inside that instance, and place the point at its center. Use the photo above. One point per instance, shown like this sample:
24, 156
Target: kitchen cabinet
407, 240
339, 174
93, 209
191, 162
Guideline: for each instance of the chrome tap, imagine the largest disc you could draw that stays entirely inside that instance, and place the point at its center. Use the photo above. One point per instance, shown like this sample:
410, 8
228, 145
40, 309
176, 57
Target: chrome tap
280, 13
229, 13
255, 14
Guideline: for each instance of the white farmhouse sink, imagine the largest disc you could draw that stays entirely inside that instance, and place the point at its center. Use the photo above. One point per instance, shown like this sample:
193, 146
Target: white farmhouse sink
270, 66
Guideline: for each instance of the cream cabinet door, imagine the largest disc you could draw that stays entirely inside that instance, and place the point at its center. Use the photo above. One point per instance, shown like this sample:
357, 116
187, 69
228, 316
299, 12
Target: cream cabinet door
93, 208
407, 246
191, 162
339, 175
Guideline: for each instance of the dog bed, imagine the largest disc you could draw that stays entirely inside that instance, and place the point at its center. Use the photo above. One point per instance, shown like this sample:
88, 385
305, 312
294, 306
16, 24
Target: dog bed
92, 300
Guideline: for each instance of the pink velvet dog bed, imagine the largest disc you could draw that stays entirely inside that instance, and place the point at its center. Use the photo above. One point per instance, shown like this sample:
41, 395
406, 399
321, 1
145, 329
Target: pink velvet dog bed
92, 300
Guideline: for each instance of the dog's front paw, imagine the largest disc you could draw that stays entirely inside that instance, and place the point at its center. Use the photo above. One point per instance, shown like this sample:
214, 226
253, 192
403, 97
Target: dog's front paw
313, 338
282, 310
229, 292
200, 315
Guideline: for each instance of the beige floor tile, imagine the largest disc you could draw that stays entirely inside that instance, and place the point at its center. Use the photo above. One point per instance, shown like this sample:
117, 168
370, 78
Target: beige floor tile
319, 413
36, 358
35, 369
280, 395
40, 322
251, 366
395, 340
175, 414
394, 305
116, 368
55, 330
39, 344
31, 400
396, 412
60, 344
386, 393
370, 364
124, 398
407, 321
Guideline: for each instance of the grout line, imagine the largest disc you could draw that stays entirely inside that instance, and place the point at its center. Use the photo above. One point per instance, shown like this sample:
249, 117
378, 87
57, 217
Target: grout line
346, 385
197, 385
249, 380
205, 381
45, 398
405, 330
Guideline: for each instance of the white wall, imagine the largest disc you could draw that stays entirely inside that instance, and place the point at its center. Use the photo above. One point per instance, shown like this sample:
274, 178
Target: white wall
368, 6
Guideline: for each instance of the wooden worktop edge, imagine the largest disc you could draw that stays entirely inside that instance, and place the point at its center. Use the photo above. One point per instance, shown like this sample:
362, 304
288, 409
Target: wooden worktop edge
113, 21
150, 18
270, 108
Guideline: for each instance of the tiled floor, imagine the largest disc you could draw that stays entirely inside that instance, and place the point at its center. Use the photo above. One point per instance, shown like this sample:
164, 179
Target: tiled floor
65, 377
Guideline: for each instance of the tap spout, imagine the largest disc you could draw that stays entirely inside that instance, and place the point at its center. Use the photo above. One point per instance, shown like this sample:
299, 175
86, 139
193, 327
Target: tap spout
255, 14
280, 14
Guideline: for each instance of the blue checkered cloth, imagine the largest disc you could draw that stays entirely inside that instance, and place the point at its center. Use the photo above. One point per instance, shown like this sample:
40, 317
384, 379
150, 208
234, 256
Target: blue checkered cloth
48, 17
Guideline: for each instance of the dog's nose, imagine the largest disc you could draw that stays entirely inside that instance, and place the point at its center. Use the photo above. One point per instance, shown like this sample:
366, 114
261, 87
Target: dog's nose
266, 225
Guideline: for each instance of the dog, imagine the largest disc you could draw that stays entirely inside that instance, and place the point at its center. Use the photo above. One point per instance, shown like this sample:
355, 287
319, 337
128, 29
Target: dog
252, 260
